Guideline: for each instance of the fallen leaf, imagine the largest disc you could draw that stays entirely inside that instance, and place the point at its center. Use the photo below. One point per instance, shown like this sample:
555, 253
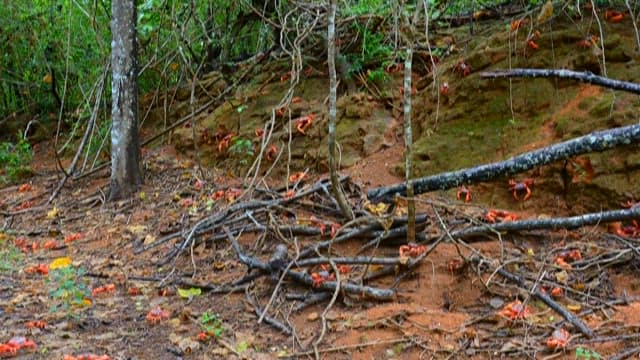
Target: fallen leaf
189, 293
59, 263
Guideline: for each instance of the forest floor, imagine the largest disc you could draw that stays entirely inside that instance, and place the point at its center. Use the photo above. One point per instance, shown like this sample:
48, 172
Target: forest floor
125, 279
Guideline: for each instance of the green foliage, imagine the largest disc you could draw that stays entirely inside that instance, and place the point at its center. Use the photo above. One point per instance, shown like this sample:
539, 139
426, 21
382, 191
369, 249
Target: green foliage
586, 354
373, 51
377, 76
362, 7
15, 160
211, 324
242, 150
68, 289
11, 257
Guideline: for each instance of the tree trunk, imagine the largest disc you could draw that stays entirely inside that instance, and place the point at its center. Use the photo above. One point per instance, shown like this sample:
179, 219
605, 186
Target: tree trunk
126, 174
408, 146
333, 84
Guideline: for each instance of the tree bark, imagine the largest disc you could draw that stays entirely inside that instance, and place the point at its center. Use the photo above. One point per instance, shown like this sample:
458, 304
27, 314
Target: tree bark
595, 142
333, 84
126, 174
408, 146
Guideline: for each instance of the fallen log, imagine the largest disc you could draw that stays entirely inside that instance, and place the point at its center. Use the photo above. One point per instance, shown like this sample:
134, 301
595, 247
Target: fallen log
595, 142
587, 77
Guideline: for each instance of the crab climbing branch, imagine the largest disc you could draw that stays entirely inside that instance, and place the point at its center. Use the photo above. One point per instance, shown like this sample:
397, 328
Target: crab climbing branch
595, 142
587, 77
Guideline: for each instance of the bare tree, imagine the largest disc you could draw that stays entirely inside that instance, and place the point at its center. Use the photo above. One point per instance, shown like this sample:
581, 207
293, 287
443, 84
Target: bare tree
333, 84
126, 174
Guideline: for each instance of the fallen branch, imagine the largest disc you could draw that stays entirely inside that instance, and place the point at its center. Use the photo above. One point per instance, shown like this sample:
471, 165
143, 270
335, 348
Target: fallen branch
545, 298
587, 77
303, 278
568, 223
595, 142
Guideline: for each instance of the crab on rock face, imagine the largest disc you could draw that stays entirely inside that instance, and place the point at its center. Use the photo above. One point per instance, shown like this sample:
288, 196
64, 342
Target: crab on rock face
520, 186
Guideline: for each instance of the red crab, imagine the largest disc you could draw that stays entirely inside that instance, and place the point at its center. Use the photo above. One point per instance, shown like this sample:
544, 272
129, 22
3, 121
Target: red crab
517, 24
14, 345
531, 41
321, 276
412, 250
588, 41
628, 231
25, 188
520, 186
464, 193
444, 89
394, 68
42, 269
503, 216
286, 76
559, 339
36, 324
103, 289
271, 152
515, 310
303, 123
225, 143
613, 16
297, 177
50, 244
462, 68
157, 314
259, 132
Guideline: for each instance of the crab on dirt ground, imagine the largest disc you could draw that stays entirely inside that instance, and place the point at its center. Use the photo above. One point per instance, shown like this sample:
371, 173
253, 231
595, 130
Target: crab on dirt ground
515, 310
559, 339
464, 193
412, 250
494, 215
157, 314
520, 186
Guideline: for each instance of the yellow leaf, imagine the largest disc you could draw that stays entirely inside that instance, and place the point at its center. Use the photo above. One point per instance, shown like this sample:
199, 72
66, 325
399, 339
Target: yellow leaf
187, 293
574, 308
47, 79
136, 229
142, 195
545, 13
61, 262
53, 213
86, 302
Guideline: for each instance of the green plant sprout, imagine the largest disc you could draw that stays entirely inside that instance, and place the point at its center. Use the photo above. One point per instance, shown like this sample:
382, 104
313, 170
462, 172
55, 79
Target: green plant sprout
15, 159
211, 324
10, 256
68, 289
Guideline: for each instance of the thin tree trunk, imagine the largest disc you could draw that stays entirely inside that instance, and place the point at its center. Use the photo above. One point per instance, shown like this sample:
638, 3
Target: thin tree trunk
335, 183
126, 174
408, 147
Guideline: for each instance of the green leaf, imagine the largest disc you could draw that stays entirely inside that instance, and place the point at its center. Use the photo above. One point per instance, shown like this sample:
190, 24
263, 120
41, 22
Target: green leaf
189, 293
